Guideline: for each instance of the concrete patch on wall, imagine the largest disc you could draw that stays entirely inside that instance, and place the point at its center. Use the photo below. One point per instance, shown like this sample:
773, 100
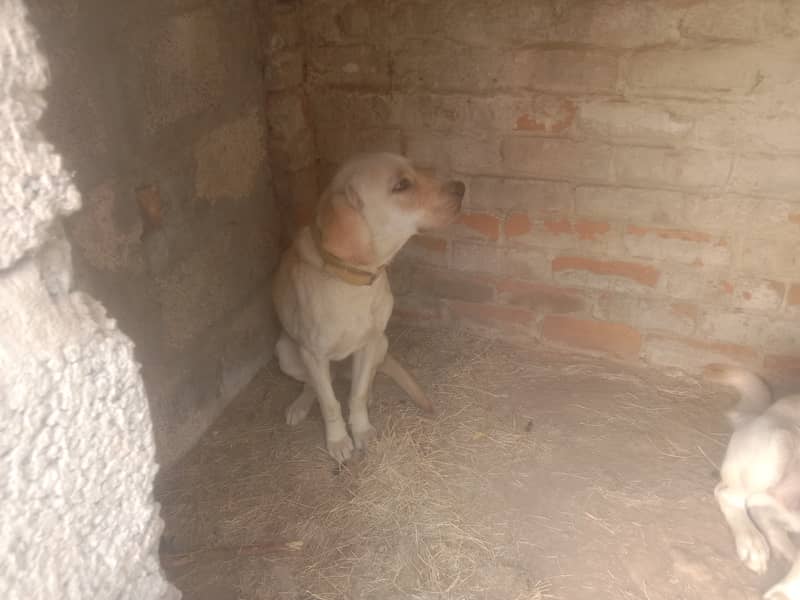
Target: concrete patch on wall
230, 159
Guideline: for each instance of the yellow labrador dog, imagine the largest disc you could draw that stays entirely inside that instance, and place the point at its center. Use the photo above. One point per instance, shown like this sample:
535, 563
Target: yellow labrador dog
332, 294
759, 491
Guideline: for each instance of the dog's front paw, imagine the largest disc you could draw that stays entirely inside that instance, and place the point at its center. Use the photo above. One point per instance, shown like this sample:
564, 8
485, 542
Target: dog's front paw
341, 450
363, 437
753, 551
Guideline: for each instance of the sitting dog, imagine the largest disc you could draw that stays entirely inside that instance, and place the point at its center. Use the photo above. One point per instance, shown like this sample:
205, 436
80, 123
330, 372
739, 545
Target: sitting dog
332, 294
759, 491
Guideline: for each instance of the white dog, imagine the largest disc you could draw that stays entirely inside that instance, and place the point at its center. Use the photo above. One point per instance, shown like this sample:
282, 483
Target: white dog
759, 491
332, 294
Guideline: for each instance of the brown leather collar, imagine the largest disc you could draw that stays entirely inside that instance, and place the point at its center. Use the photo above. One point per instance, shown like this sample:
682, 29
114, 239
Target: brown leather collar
338, 268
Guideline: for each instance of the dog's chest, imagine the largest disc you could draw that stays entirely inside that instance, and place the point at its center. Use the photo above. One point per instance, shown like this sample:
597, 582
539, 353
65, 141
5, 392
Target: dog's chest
345, 317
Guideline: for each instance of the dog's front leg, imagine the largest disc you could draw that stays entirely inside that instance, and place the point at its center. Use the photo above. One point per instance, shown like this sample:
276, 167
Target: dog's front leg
339, 444
365, 363
751, 546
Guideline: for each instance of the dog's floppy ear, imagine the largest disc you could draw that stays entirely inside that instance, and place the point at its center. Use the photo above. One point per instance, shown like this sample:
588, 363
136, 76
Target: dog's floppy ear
344, 230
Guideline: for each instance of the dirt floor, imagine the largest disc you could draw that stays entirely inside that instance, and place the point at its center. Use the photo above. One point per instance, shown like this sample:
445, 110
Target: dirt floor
543, 475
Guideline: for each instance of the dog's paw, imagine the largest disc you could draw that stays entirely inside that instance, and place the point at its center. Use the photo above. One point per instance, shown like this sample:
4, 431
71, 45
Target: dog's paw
364, 437
341, 450
753, 551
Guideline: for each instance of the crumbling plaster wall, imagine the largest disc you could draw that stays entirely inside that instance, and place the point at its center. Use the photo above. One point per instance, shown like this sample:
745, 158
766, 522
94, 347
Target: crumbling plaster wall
158, 108
77, 457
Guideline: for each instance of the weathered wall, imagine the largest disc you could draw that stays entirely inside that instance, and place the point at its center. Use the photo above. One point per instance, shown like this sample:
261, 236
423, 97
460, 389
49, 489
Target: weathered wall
76, 445
158, 107
633, 165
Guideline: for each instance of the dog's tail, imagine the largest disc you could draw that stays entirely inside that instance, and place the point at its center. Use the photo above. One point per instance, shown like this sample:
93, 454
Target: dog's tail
403, 378
755, 394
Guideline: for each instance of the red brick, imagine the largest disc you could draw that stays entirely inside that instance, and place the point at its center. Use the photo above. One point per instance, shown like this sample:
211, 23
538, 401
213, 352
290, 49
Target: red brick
662, 167
643, 274
635, 205
631, 122
488, 226
518, 224
670, 234
723, 20
539, 297
429, 243
794, 295
525, 263
491, 314
758, 294
453, 285
451, 152
770, 175
442, 66
584, 230
551, 158
645, 314
540, 198
717, 69
425, 249
352, 66
692, 354
617, 24
415, 309
616, 339
688, 247
549, 123
733, 326
337, 144
782, 363
558, 69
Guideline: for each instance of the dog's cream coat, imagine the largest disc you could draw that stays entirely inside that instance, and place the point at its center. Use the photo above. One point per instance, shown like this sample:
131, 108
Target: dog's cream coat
332, 295
759, 491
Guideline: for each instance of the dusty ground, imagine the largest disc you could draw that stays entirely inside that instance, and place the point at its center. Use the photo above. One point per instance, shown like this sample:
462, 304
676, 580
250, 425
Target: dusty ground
543, 476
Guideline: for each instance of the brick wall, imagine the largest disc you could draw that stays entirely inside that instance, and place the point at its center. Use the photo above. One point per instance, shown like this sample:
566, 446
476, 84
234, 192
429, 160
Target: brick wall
157, 106
633, 165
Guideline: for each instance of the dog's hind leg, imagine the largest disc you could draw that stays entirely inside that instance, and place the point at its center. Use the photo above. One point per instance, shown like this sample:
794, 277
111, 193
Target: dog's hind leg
751, 546
787, 588
365, 363
291, 364
774, 522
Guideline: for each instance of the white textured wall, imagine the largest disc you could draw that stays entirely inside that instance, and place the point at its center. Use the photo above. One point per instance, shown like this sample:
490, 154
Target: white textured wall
77, 517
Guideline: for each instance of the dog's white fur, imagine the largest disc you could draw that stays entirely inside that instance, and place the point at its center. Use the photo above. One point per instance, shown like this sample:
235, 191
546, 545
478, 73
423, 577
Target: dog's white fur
374, 204
759, 491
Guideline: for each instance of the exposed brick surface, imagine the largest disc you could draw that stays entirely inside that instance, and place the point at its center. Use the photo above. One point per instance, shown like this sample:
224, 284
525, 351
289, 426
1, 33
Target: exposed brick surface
692, 354
486, 226
556, 159
539, 297
452, 285
641, 274
511, 318
616, 339
631, 163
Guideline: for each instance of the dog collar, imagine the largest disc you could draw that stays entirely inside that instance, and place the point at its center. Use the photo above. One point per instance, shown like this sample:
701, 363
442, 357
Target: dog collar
335, 266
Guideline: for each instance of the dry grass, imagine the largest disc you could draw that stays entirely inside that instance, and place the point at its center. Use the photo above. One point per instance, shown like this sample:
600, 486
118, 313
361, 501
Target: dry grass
415, 517
410, 515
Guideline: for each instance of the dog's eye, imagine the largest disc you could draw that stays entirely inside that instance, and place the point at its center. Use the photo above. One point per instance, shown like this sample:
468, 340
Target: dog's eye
401, 186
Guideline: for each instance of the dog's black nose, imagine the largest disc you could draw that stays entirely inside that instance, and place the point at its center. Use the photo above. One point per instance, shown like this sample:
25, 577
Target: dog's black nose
455, 189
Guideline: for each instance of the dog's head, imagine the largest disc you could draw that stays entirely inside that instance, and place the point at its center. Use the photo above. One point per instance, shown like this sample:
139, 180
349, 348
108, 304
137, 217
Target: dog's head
376, 202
